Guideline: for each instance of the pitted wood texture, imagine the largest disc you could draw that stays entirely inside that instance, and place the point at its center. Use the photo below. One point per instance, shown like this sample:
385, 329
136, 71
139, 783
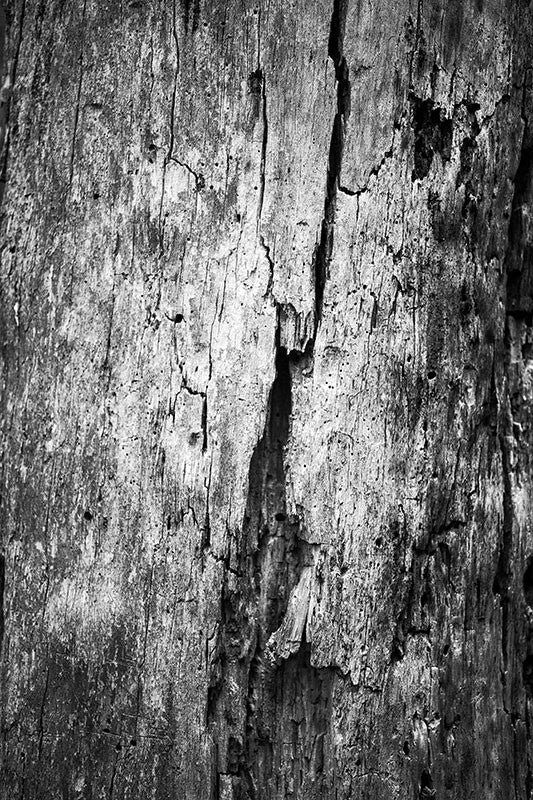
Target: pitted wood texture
266, 341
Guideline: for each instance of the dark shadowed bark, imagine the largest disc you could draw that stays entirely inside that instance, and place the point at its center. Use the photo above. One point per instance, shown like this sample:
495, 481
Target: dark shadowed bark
267, 391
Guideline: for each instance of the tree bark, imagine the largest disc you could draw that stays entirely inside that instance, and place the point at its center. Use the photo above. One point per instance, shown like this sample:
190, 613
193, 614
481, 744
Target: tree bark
267, 343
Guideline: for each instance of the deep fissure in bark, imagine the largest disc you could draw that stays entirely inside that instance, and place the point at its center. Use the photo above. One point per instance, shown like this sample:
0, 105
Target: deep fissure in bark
278, 692
519, 264
276, 536
269, 561
273, 554
270, 717
426, 786
528, 584
433, 135
270, 556
264, 141
2, 588
324, 248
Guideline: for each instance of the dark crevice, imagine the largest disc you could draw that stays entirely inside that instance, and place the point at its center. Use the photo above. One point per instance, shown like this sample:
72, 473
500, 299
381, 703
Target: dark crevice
528, 584
466, 155
267, 557
519, 261
527, 675
433, 135
204, 422
322, 255
427, 790
503, 577
267, 562
189, 19
2, 590
260, 78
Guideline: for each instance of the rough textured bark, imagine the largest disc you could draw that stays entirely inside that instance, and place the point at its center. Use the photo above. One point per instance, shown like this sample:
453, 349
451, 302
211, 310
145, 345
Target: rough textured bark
267, 340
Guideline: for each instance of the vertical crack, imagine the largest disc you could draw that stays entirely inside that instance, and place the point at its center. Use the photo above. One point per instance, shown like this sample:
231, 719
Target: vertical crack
258, 82
322, 256
323, 250
271, 555
261, 574
204, 422
2, 590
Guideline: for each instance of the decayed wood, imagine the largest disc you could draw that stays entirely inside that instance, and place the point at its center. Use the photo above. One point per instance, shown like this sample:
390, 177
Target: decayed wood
267, 317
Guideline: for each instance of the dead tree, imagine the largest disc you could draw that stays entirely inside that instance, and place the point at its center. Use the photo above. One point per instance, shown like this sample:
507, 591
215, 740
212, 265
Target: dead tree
267, 388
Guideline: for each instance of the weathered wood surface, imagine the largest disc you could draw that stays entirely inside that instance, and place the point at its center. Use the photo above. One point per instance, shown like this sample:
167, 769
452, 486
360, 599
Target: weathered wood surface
267, 344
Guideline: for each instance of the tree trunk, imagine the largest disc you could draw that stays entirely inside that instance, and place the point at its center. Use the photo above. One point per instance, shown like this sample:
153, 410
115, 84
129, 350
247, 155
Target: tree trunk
267, 339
